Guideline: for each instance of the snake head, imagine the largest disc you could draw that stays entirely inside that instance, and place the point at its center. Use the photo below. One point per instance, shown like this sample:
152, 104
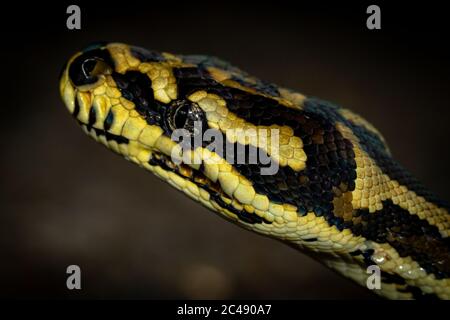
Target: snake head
331, 191
134, 101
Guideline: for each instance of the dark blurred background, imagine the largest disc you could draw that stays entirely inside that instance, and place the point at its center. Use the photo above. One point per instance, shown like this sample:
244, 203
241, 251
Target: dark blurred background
67, 200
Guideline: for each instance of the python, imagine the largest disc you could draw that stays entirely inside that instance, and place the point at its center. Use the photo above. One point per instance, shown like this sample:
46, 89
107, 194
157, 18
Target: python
338, 195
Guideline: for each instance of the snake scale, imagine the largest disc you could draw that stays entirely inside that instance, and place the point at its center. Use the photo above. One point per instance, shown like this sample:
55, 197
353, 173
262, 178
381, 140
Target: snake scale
337, 194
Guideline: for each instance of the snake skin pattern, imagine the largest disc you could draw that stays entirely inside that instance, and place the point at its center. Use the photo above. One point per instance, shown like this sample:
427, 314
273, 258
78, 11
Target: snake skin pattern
337, 196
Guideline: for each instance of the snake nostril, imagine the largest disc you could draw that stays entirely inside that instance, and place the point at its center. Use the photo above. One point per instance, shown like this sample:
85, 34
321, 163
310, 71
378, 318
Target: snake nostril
79, 71
86, 68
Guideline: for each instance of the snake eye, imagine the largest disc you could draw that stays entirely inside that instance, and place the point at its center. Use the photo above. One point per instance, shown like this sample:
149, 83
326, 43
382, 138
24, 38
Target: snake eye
86, 68
186, 115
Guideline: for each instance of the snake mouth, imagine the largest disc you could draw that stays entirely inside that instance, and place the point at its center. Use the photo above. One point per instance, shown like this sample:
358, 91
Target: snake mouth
216, 198
186, 172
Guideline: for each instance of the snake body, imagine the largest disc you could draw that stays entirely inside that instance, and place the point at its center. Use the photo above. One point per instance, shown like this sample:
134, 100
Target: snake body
337, 195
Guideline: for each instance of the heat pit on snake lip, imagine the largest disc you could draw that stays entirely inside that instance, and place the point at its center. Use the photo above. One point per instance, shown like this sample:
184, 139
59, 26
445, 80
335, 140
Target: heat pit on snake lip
213, 189
185, 172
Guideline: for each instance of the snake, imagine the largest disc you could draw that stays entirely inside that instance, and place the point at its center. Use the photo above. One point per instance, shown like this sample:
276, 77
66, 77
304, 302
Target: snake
324, 180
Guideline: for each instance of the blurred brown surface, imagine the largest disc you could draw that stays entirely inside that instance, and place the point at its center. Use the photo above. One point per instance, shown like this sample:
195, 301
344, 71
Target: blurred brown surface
67, 200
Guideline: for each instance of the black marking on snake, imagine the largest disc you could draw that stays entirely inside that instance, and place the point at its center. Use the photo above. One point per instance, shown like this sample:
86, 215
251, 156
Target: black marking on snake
243, 157
109, 120
80, 68
137, 88
192, 79
76, 108
330, 112
409, 235
111, 137
367, 255
214, 195
259, 85
108, 136
92, 118
356, 253
145, 55
203, 62
375, 148
155, 161
392, 278
243, 215
416, 292
419, 294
